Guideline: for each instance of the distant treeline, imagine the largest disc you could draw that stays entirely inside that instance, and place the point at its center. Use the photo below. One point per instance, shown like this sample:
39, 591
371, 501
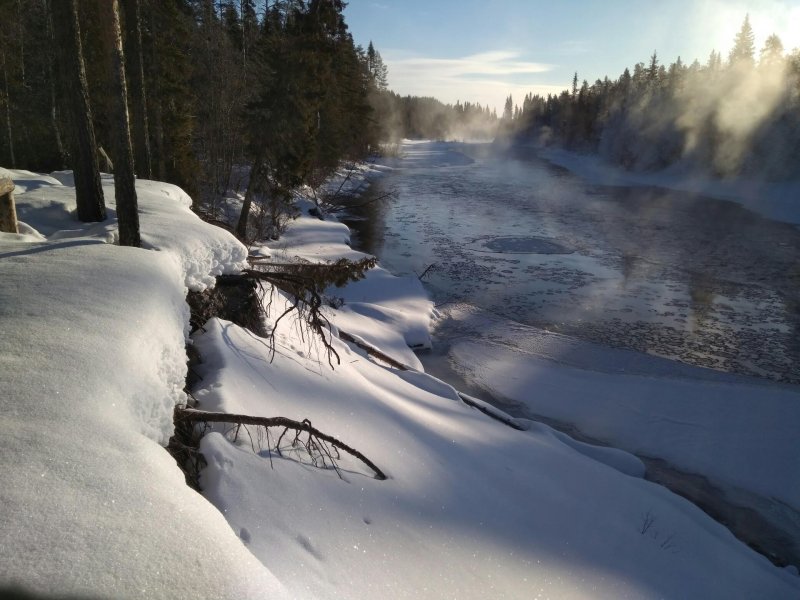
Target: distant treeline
739, 115
428, 118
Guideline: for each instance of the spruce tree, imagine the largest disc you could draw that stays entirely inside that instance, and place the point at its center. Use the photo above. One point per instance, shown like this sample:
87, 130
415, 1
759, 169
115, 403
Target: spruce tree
744, 47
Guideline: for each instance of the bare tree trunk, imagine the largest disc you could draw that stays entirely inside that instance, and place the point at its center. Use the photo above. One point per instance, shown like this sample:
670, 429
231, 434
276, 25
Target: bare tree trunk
21, 35
157, 149
252, 185
124, 178
135, 70
88, 188
161, 162
52, 83
8, 113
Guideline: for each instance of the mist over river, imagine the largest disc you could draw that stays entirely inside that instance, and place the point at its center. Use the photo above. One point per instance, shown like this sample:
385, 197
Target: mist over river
690, 278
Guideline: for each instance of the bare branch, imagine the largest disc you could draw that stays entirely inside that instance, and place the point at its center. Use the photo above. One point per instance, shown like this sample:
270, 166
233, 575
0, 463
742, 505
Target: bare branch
190, 415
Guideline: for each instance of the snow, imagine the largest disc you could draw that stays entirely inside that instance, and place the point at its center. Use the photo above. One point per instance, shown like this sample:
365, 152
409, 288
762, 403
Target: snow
386, 311
471, 507
779, 200
92, 360
46, 204
708, 427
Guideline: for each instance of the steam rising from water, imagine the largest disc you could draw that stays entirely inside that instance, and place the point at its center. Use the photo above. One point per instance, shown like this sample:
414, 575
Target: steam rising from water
742, 103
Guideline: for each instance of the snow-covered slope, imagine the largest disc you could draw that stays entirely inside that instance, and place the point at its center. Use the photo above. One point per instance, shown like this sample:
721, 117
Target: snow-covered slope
92, 362
471, 509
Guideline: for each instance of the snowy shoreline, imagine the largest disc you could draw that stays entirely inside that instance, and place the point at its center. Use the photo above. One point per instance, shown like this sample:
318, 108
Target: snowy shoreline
775, 200
93, 351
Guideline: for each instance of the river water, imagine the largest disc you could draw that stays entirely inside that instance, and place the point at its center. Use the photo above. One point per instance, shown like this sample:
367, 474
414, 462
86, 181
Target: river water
705, 282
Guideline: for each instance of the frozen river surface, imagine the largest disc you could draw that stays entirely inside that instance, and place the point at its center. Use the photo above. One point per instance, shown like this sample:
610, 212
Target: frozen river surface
699, 280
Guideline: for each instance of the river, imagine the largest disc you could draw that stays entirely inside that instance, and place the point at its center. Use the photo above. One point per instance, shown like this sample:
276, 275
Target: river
699, 281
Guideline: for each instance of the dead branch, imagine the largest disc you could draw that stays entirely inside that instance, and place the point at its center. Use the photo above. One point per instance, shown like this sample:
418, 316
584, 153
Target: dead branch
337, 208
315, 442
425, 272
491, 412
373, 351
332, 198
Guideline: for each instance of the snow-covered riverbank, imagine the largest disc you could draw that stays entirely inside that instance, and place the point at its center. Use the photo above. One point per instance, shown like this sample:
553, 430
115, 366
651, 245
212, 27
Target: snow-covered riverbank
92, 353
779, 200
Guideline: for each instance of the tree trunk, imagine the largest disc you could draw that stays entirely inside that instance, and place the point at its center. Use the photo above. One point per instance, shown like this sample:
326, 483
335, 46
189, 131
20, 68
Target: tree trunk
62, 155
8, 114
135, 71
124, 178
88, 189
8, 212
241, 226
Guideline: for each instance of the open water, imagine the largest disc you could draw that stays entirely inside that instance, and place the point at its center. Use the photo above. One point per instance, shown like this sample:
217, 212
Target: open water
668, 273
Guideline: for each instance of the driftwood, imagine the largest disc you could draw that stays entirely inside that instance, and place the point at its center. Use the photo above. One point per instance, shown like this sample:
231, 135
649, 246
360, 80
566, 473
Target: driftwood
8, 211
190, 415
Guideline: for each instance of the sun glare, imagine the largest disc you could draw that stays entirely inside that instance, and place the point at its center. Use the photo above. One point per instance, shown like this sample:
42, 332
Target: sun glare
715, 23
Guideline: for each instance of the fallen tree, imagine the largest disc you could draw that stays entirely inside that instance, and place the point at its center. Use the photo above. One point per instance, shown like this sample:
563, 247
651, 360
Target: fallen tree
316, 443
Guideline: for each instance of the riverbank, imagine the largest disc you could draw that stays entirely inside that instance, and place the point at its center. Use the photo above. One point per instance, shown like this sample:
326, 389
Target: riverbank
774, 200
472, 507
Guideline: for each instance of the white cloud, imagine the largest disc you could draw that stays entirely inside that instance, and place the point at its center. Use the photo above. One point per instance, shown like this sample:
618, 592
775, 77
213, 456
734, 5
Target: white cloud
487, 77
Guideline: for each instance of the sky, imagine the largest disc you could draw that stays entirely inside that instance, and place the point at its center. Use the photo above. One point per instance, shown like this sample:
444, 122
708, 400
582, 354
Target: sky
484, 50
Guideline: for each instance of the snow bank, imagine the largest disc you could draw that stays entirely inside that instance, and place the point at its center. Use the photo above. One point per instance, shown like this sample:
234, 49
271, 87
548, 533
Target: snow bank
736, 431
774, 200
47, 205
389, 312
92, 362
472, 508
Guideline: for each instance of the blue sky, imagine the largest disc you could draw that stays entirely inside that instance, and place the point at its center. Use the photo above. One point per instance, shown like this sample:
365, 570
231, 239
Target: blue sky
482, 50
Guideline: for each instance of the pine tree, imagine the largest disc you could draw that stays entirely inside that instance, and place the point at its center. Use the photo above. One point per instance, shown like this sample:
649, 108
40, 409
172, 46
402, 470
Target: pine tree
508, 109
652, 70
377, 69
167, 38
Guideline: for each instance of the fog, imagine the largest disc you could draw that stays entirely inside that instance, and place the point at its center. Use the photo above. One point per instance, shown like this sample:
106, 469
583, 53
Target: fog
417, 117
734, 117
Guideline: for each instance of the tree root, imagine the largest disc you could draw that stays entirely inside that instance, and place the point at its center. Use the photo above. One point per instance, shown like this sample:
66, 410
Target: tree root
316, 442
306, 284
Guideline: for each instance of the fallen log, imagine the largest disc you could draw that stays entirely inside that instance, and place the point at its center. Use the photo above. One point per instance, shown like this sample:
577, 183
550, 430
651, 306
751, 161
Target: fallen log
190, 415
373, 351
